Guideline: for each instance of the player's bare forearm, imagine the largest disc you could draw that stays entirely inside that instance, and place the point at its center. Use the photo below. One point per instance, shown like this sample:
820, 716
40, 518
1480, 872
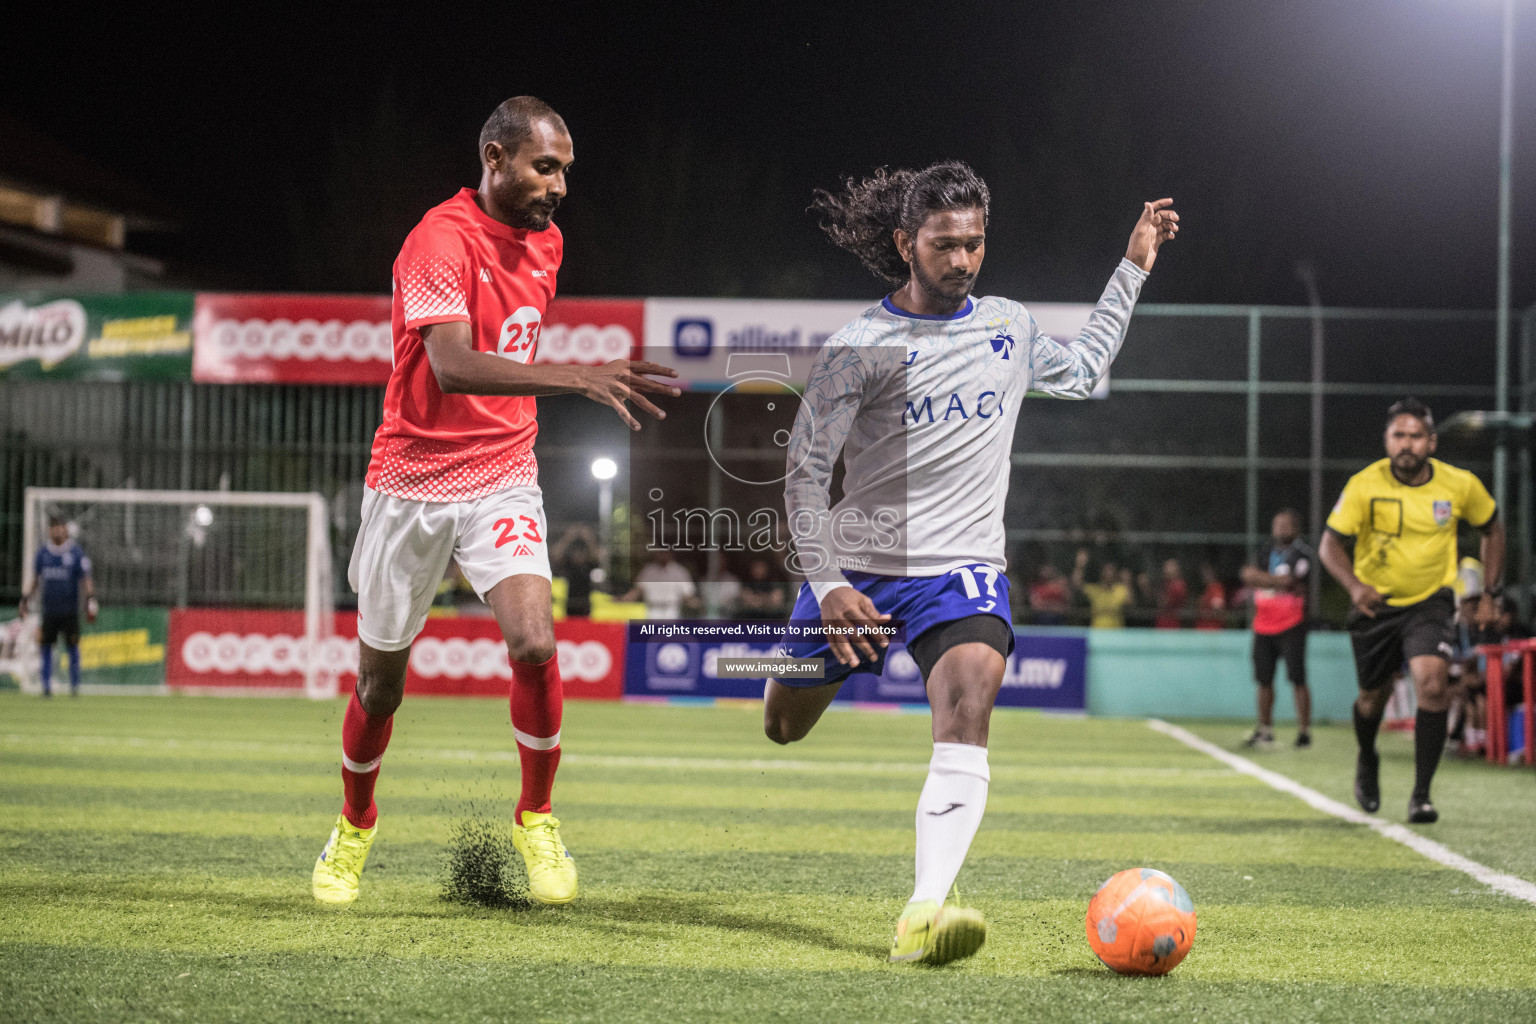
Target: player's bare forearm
1491, 550
461, 370
1336, 560
1366, 598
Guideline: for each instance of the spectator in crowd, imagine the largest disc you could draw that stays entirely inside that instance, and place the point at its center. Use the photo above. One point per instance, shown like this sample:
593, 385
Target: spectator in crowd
666, 587
1049, 596
721, 591
1108, 597
1172, 596
762, 595
1213, 599
1507, 626
1280, 626
575, 557
1469, 687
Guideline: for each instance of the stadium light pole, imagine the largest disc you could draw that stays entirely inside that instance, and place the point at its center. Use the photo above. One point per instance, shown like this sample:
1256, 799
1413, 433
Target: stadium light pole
604, 470
1501, 330
1308, 275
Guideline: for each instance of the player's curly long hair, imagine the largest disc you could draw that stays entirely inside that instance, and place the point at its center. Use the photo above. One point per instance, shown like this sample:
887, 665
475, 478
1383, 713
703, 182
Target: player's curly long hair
863, 215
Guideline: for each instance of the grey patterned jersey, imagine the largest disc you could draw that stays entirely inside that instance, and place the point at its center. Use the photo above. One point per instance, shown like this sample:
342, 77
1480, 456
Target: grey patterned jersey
923, 410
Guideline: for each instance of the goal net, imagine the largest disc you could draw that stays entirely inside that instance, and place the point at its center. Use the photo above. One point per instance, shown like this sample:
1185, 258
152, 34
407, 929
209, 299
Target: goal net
227, 591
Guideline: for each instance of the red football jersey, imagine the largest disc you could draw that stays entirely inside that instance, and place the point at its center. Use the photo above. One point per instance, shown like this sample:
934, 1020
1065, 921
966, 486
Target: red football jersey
460, 263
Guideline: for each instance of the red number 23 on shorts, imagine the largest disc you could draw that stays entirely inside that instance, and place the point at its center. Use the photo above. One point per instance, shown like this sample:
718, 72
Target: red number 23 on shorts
508, 528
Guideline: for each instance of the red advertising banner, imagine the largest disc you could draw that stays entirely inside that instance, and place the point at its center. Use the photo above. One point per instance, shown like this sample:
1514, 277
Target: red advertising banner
346, 339
233, 650
291, 339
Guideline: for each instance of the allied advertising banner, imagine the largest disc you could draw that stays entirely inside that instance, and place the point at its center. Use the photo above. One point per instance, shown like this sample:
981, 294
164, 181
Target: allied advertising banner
719, 343
347, 339
1045, 671
134, 336
715, 343
217, 649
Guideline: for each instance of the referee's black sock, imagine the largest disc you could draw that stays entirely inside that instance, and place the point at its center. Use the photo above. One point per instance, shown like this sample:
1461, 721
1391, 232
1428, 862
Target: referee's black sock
1428, 742
1365, 735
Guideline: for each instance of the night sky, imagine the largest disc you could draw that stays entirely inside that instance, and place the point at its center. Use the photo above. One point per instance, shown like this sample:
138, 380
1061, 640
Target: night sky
300, 148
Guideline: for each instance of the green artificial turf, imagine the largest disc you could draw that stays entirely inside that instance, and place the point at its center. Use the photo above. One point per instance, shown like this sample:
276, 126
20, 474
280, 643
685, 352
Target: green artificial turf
155, 858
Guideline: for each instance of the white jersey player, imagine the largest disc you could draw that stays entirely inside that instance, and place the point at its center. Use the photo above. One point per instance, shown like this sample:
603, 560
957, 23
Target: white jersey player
920, 395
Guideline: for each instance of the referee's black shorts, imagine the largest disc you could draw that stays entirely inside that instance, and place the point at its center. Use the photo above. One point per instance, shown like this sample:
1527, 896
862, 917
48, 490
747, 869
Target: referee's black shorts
1397, 635
1270, 648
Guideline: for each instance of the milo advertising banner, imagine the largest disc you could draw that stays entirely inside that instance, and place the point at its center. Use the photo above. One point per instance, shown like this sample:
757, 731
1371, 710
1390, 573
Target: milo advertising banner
133, 336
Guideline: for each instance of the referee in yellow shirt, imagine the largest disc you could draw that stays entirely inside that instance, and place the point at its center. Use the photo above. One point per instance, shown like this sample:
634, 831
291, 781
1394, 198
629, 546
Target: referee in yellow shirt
1402, 513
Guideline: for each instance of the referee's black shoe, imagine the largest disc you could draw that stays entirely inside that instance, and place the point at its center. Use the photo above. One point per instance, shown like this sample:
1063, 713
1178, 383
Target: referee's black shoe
1421, 811
1367, 785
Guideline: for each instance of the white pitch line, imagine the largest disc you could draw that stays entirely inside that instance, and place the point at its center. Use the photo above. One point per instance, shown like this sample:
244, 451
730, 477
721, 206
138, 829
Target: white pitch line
1507, 884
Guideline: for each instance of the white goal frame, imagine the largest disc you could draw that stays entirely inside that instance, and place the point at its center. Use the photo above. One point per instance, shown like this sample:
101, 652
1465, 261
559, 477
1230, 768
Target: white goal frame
318, 601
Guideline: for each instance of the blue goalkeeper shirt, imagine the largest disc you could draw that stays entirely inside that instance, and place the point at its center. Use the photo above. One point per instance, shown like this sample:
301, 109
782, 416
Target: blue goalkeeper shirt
60, 570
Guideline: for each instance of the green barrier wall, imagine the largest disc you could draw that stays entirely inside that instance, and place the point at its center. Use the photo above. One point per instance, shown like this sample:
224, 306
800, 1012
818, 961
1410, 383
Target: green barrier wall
124, 647
1197, 674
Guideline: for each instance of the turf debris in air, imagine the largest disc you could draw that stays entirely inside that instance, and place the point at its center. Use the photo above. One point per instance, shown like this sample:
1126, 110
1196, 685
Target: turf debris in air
483, 868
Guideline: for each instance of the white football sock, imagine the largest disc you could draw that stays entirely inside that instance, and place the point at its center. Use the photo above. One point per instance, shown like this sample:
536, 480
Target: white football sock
948, 814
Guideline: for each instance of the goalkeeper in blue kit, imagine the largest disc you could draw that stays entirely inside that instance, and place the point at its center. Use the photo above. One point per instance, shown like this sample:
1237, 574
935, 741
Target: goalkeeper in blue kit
62, 571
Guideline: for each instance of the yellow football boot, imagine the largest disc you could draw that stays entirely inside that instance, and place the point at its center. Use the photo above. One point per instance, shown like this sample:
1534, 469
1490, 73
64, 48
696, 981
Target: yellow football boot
339, 871
551, 870
932, 934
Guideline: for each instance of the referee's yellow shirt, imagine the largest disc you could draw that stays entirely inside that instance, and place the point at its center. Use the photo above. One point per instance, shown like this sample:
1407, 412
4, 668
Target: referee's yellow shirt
1405, 537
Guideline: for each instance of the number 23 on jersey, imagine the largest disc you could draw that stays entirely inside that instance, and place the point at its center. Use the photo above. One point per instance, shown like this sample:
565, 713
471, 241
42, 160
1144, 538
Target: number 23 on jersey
520, 335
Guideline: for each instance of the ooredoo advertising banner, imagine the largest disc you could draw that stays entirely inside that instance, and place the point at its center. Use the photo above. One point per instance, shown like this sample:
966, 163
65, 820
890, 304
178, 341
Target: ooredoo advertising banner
347, 339
291, 339
136, 336
229, 649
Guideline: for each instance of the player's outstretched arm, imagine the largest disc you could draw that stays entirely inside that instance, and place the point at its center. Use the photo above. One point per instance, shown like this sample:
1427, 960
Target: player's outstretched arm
1158, 224
1073, 371
460, 370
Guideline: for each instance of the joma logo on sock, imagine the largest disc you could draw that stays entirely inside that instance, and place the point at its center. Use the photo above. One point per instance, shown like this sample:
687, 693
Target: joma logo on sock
940, 814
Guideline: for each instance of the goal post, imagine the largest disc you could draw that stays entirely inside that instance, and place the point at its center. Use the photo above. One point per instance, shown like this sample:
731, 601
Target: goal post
244, 578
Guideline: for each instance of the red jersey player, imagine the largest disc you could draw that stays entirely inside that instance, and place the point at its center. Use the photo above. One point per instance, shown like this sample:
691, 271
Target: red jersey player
453, 475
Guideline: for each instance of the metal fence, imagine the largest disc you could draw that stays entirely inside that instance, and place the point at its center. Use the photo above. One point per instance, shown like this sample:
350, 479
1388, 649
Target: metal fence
1219, 416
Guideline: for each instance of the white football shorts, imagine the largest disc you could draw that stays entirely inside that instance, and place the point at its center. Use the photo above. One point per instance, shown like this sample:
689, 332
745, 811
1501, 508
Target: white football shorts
403, 548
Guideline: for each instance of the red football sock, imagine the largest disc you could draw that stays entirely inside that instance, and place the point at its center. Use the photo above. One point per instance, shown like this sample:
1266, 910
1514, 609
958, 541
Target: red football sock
537, 702
363, 739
